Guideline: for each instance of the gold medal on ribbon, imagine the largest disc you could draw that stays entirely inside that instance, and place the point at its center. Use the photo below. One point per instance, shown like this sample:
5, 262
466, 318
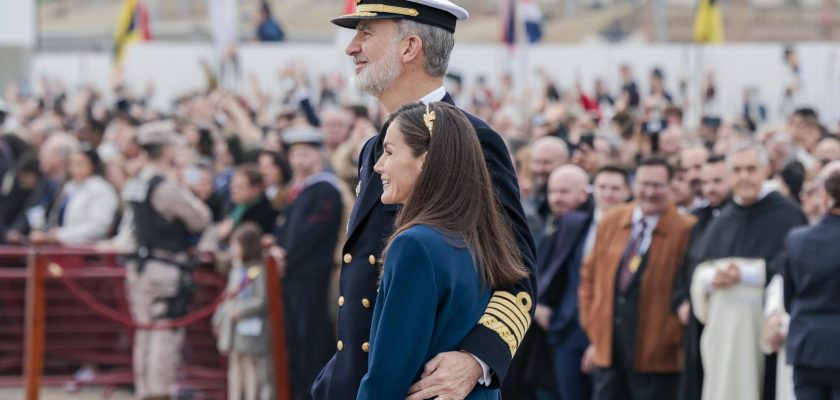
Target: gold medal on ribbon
634, 263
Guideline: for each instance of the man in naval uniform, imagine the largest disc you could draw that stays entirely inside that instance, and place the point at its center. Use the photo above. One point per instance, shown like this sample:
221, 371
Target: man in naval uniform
401, 51
163, 217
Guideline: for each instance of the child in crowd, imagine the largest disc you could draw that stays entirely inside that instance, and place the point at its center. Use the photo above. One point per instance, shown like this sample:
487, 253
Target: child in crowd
240, 322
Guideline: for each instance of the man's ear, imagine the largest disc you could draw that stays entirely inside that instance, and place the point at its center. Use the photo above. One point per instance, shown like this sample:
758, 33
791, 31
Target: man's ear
412, 48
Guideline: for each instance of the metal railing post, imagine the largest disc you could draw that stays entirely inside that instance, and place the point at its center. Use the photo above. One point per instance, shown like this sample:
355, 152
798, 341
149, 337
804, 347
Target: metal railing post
35, 321
274, 298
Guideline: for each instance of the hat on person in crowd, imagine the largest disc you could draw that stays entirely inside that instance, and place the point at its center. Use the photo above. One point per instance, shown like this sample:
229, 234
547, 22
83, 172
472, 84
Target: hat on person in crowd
302, 135
440, 13
157, 133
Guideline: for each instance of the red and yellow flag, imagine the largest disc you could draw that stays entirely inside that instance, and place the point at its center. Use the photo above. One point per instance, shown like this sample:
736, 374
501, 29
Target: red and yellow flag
132, 26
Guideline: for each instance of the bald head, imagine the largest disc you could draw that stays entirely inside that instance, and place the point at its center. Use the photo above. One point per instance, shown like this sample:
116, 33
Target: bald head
829, 169
567, 189
547, 153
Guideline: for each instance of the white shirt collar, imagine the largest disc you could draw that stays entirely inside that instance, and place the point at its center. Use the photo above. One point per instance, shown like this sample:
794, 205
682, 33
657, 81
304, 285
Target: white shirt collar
651, 220
435, 96
647, 233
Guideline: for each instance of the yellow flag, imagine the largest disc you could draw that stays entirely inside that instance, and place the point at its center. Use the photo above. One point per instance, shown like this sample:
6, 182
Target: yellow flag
708, 23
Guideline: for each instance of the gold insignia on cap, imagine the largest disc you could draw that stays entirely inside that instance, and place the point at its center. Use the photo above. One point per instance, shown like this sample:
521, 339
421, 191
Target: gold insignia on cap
382, 8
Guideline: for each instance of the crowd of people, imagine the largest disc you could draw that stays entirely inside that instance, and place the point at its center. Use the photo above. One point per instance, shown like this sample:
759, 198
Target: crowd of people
666, 263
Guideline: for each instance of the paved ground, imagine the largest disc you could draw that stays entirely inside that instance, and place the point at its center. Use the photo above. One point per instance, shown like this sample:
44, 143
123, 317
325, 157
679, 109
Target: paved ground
59, 394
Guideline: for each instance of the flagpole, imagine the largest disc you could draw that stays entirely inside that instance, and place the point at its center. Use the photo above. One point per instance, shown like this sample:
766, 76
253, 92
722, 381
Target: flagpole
661, 21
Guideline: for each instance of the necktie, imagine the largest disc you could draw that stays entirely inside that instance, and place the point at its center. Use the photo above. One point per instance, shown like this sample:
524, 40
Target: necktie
630, 258
62, 209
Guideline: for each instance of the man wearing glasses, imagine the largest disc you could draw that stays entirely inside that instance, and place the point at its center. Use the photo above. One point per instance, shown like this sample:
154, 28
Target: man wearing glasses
625, 292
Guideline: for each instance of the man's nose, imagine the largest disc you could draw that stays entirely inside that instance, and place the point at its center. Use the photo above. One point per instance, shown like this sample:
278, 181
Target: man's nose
353, 47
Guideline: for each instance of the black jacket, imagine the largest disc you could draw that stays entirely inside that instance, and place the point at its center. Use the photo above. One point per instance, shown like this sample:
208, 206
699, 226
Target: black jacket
811, 273
261, 213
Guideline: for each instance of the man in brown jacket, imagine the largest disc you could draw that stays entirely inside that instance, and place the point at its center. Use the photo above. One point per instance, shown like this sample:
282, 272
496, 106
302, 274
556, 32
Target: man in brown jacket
625, 292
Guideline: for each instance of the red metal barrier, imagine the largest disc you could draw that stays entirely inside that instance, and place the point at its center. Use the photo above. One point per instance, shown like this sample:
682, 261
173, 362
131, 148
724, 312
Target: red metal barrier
61, 332
278, 333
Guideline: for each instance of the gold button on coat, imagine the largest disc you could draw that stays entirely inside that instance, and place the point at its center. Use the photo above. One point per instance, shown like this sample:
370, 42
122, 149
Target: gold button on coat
340, 345
365, 303
341, 301
348, 258
365, 347
372, 260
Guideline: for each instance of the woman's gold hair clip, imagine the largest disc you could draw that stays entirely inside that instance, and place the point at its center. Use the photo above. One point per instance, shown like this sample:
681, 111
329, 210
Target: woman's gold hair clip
429, 119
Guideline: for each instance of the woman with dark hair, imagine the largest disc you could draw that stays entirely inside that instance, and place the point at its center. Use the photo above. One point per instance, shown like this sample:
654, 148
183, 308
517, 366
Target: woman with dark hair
87, 206
276, 173
451, 247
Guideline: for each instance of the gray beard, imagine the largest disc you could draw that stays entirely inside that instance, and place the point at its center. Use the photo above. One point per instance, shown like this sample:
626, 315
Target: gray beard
378, 77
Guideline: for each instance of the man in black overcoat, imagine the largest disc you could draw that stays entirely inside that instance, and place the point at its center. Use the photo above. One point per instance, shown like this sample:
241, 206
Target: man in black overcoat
401, 51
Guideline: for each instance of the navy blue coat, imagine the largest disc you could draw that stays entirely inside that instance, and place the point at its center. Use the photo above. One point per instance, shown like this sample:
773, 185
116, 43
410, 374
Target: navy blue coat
560, 258
309, 235
812, 278
428, 302
494, 339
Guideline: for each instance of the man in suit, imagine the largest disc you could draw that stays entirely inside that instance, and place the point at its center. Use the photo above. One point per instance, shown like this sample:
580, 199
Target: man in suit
401, 51
811, 274
559, 259
625, 292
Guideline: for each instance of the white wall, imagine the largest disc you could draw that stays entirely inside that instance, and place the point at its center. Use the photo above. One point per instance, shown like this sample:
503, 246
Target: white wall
17, 23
